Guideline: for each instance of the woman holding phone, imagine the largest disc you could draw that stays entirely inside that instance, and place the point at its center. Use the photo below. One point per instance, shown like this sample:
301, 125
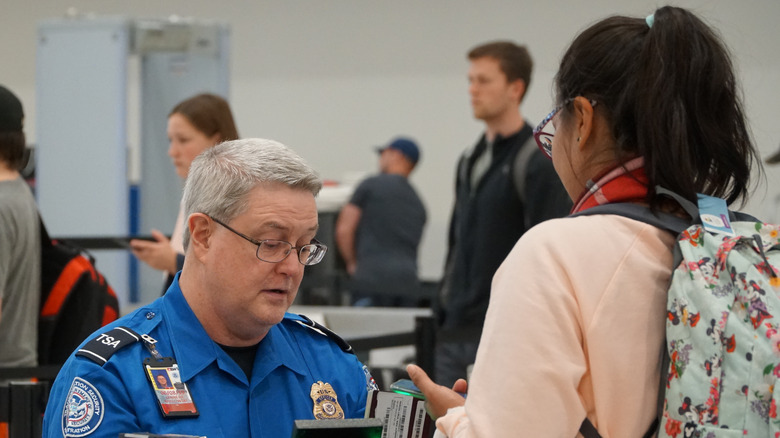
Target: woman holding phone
194, 125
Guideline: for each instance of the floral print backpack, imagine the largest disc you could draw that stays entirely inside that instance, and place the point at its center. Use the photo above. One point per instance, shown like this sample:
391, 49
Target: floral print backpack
722, 326
722, 334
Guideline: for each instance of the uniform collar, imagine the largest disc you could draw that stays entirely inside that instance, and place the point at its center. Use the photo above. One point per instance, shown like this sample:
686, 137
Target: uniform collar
194, 350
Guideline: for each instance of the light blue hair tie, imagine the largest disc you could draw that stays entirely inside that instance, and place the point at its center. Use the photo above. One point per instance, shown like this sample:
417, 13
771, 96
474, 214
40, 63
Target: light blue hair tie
650, 20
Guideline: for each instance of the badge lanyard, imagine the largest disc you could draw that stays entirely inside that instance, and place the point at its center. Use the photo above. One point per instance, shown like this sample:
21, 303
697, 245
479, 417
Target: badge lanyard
173, 395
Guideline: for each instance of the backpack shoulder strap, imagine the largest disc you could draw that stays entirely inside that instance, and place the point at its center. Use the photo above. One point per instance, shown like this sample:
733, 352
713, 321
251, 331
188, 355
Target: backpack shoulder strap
520, 164
669, 222
45, 239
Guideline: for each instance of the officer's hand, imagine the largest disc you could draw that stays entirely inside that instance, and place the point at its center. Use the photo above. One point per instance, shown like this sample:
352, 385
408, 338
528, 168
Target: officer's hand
438, 398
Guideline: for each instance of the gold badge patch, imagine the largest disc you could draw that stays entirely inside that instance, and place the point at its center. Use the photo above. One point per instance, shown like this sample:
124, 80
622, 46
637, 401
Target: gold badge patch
326, 404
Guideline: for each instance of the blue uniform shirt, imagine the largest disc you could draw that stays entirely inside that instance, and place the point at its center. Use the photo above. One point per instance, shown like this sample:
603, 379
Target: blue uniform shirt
117, 397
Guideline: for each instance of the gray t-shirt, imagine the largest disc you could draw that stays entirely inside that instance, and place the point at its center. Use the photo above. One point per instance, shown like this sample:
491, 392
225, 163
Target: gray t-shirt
387, 237
20, 274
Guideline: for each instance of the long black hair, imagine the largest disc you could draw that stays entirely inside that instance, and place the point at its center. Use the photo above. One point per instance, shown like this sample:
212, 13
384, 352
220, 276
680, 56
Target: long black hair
668, 89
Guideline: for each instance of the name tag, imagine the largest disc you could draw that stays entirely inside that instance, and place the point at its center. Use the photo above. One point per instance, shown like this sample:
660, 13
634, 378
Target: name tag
173, 395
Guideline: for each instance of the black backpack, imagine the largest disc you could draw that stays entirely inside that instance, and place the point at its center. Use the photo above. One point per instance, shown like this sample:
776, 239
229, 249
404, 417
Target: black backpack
75, 299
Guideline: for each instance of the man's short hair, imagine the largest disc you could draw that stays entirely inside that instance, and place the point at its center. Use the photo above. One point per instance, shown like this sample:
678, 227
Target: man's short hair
514, 60
221, 177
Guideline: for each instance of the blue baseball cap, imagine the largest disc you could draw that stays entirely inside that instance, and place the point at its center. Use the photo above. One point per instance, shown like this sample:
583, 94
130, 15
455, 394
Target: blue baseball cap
406, 146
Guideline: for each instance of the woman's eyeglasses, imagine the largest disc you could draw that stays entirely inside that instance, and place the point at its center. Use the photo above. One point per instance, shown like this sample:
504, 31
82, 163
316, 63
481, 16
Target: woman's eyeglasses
544, 133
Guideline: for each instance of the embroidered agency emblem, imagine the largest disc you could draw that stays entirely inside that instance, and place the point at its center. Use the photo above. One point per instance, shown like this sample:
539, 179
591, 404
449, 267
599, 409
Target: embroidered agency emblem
370, 382
83, 410
326, 405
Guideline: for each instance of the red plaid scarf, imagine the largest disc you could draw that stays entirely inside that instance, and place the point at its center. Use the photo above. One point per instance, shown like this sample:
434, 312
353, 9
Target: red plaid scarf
626, 183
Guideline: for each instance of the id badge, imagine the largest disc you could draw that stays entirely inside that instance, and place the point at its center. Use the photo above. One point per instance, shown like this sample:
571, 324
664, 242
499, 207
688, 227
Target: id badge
173, 395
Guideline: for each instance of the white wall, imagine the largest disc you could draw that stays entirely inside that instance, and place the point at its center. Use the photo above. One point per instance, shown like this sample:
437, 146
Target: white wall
332, 78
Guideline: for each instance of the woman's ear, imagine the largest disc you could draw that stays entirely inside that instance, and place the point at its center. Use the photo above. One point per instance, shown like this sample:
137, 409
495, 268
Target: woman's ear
200, 227
583, 118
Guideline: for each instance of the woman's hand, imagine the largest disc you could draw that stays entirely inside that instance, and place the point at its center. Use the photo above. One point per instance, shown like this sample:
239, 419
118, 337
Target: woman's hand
438, 398
158, 253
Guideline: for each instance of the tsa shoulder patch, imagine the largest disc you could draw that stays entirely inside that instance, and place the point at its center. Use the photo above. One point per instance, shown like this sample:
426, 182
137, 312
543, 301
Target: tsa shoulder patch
103, 346
83, 410
370, 382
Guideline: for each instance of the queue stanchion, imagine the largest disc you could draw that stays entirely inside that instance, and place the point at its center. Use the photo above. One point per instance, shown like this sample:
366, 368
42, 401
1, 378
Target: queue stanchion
5, 410
24, 392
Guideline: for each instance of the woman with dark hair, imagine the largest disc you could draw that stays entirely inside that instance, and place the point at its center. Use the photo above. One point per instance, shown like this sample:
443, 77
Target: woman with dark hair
574, 330
194, 125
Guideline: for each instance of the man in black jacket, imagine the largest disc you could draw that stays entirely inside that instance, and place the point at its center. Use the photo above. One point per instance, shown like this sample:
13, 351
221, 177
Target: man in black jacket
504, 186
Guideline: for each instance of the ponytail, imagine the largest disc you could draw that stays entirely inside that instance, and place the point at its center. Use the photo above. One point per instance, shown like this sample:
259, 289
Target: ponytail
670, 95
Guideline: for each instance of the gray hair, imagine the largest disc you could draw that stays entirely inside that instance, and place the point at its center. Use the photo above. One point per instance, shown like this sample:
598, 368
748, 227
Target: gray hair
221, 177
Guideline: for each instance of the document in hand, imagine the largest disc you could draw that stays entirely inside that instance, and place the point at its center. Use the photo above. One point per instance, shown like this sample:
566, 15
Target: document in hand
403, 416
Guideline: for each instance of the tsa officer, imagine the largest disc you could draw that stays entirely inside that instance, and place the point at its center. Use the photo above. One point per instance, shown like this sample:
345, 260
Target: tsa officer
238, 365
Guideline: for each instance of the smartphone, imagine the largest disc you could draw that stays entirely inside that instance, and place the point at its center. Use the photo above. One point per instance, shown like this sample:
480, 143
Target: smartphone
90, 243
407, 387
125, 241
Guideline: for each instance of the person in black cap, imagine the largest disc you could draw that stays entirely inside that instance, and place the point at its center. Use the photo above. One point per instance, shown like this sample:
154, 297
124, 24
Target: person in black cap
20, 248
379, 230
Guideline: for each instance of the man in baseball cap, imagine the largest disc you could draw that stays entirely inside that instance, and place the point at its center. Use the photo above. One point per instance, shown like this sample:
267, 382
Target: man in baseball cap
407, 147
379, 230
